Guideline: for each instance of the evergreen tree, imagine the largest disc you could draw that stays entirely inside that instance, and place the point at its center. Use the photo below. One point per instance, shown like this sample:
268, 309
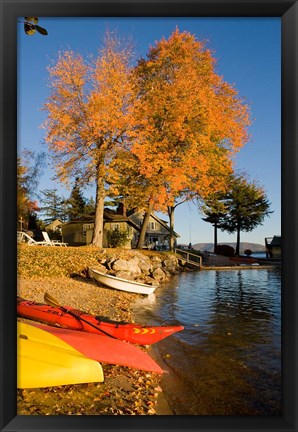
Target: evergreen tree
76, 202
215, 209
29, 169
247, 206
52, 205
89, 206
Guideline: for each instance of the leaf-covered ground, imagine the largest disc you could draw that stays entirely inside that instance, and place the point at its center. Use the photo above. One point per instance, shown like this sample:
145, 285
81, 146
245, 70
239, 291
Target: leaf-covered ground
64, 261
57, 270
55, 261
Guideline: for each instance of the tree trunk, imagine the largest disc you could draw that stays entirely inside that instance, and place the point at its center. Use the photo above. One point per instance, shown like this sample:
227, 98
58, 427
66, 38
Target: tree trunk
238, 241
171, 217
97, 239
144, 227
215, 237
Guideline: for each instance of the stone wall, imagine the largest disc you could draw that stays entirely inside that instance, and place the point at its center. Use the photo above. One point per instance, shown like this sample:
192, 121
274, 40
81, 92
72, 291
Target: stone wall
151, 268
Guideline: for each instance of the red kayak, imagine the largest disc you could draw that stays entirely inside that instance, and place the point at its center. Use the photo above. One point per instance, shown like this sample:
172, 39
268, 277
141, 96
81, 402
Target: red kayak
130, 332
105, 349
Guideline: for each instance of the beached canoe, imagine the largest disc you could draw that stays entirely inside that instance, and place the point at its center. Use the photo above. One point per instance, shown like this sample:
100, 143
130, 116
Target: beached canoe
45, 360
104, 349
130, 332
121, 284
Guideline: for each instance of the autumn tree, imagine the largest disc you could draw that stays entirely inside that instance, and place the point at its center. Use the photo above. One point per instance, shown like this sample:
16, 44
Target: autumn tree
190, 122
131, 187
247, 207
89, 115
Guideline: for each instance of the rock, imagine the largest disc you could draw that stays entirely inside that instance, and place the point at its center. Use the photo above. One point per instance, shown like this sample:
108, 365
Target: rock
156, 259
156, 263
130, 266
109, 263
134, 266
158, 274
170, 273
124, 275
169, 262
144, 266
101, 268
137, 265
120, 265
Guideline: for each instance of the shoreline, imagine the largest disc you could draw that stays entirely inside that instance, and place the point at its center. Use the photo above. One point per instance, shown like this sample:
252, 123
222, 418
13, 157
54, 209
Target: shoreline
239, 267
125, 391
162, 404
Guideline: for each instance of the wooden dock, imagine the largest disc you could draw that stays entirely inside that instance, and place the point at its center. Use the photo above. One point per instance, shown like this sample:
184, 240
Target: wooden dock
195, 261
241, 267
191, 259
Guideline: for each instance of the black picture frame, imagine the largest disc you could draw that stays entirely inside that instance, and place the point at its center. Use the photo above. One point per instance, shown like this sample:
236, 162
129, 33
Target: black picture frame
288, 12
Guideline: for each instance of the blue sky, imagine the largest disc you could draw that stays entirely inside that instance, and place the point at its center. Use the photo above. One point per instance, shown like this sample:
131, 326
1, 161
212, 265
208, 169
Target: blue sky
248, 53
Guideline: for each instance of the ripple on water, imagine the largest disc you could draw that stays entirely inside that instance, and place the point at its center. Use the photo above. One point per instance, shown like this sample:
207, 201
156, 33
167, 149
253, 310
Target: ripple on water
227, 360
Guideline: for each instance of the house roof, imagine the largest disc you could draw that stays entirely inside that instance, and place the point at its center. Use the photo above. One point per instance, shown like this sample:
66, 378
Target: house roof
109, 216
82, 219
55, 221
164, 224
160, 221
112, 216
276, 241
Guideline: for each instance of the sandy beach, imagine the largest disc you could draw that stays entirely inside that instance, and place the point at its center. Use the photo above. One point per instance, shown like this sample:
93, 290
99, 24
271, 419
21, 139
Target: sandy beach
125, 391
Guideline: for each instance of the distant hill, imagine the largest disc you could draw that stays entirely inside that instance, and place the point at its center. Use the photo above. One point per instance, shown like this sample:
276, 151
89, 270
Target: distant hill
254, 247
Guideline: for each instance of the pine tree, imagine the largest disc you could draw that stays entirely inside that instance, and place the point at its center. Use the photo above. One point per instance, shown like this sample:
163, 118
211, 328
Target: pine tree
215, 209
247, 206
89, 206
52, 205
29, 169
76, 202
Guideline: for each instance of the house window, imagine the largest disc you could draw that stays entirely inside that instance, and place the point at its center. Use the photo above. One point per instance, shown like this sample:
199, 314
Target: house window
152, 226
86, 227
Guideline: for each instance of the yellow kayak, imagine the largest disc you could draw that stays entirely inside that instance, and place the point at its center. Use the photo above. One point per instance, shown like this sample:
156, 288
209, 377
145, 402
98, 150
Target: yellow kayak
44, 360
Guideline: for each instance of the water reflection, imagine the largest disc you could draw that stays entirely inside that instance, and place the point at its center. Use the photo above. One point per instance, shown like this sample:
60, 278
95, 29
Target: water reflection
227, 360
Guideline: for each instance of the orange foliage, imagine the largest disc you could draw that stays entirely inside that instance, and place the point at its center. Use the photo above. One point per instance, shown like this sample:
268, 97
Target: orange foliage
89, 114
166, 128
190, 122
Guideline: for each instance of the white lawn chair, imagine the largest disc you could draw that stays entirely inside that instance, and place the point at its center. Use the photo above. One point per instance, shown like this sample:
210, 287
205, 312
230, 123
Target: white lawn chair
25, 238
52, 242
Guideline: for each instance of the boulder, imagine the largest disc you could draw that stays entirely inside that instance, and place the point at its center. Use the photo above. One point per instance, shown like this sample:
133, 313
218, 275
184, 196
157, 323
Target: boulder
170, 262
134, 266
158, 274
124, 275
101, 268
130, 266
156, 263
145, 266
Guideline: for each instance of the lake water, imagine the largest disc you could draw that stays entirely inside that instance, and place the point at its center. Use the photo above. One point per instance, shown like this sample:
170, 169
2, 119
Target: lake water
227, 361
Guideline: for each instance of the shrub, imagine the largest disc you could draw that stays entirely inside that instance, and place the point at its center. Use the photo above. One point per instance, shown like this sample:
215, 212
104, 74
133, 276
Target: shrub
248, 252
118, 238
225, 250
